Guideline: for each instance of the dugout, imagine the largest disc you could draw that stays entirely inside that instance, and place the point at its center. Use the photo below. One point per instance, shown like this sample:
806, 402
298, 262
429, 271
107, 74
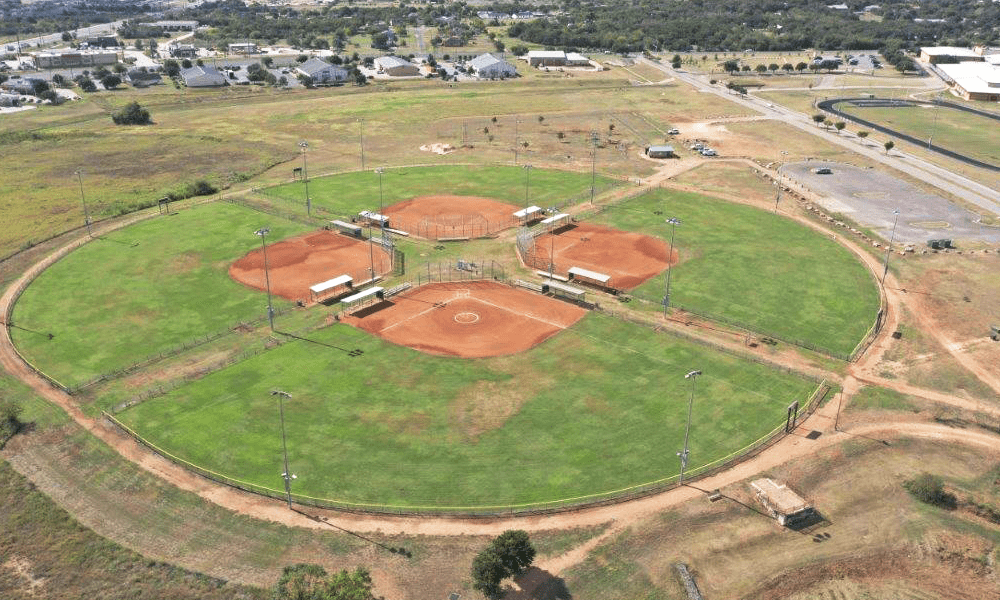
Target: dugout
781, 502
594, 278
331, 287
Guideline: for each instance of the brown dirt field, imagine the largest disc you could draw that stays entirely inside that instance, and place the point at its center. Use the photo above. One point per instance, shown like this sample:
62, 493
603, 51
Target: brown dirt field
299, 262
629, 258
436, 217
471, 319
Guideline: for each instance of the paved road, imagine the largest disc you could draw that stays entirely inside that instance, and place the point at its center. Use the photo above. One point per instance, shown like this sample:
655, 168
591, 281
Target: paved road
52, 38
957, 185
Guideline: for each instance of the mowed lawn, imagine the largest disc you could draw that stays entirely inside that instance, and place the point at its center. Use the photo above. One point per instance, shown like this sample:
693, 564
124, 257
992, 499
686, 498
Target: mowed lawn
966, 133
749, 266
349, 193
597, 408
141, 290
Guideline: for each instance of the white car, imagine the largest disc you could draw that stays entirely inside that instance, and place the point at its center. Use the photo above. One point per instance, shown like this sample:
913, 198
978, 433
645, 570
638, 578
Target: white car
709, 152
674, 131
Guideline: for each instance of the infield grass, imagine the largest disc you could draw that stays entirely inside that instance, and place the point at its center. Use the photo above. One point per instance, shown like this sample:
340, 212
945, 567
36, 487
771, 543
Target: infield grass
142, 290
349, 193
399, 427
747, 266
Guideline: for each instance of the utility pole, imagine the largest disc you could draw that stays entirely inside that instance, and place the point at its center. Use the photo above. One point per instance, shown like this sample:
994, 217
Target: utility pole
86, 212
687, 430
888, 249
674, 222
527, 178
263, 231
380, 171
304, 145
288, 477
777, 194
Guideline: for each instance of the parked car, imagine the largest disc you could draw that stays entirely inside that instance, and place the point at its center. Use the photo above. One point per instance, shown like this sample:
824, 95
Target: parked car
697, 147
674, 131
709, 152
823, 171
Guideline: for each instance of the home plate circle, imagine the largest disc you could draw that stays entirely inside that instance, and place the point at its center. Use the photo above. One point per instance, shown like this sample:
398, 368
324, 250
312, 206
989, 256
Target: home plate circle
466, 318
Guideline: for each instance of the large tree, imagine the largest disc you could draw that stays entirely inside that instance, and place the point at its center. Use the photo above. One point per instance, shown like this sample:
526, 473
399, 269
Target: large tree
510, 554
132, 114
312, 582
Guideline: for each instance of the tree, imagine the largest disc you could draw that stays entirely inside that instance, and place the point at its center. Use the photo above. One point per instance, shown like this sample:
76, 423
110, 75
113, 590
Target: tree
110, 82
787, 67
731, 66
611, 127
561, 135
675, 62
131, 114
487, 572
119, 68
312, 582
540, 119
889, 145
171, 67
40, 86
801, 66
839, 125
818, 118
58, 79
186, 63
494, 119
761, 68
905, 64
267, 61
305, 80
827, 123
486, 130
930, 489
508, 555
87, 84
66, 37
862, 134
10, 418
772, 67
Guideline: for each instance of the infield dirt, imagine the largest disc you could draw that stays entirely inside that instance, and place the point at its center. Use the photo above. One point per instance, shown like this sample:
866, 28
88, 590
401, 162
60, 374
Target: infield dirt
437, 217
629, 258
302, 261
471, 319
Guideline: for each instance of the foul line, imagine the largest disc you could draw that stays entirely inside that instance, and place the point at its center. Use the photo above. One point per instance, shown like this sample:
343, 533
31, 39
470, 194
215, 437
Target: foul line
459, 295
514, 312
435, 306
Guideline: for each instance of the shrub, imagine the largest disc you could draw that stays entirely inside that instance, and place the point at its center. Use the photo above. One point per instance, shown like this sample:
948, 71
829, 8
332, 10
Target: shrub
511, 553
131, 114
10, 413
930, 489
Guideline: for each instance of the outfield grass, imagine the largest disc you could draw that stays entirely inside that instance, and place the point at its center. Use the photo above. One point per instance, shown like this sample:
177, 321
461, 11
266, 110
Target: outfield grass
967, 133
349, 193
597, 408
748, 266
141, 290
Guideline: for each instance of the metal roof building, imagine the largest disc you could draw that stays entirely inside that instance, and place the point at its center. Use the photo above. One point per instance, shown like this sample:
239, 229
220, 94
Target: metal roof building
487, 66
396, 67
203, 77
321, 71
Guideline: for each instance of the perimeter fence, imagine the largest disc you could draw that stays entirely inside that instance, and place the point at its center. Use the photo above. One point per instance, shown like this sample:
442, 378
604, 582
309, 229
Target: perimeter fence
531, 508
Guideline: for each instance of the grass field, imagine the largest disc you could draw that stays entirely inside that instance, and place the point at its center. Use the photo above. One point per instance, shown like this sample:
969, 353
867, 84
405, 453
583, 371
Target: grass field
973, 135
351, 192
745, 265
142, 290
426, 430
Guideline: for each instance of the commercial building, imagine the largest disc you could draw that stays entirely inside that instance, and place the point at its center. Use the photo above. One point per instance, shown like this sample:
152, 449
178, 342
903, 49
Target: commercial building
547, 58
948, 54
487, 66
64, 58
321, 71
243, 48
172, 25
974, 80
396, 67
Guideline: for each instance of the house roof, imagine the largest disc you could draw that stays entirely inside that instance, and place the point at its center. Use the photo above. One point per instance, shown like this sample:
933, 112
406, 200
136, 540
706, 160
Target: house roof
389, 62
546, 54
316, 65
201, 76
487, 60
576, 57
661, 149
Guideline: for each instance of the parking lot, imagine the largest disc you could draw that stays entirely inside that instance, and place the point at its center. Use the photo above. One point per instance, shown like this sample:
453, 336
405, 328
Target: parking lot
869, 198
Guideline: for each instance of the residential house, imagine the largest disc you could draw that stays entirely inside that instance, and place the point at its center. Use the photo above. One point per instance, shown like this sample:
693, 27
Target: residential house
201, 76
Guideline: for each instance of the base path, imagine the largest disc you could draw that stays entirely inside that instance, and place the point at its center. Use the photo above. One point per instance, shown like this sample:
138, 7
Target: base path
299, 262
437, 217
470, 319
629, 258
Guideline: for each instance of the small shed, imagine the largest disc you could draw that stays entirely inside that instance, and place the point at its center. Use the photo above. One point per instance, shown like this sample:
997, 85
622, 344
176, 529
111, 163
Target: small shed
660, 152
784, 505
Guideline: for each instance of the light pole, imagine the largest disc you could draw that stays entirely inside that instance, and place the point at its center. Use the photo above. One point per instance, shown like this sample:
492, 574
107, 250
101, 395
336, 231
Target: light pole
515, 139
937, 109
288, 477
361, 126
305, 170
593, 166
674, 222
86, 212
777, 194
380, 171
263, 231
687, 430
888, 249
527, 177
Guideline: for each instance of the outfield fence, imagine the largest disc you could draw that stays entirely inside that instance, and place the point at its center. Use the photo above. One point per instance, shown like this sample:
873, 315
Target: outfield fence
527, 508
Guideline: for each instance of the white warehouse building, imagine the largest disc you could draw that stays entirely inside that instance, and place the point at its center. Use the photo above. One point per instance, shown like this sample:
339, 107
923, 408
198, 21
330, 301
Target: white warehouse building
487, 66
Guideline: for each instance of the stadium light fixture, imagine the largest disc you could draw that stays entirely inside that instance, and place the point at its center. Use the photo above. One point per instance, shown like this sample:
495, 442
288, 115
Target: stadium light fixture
888, 249
285, 475
86, 211
674, 222
304, 145
692, 375
263, 231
